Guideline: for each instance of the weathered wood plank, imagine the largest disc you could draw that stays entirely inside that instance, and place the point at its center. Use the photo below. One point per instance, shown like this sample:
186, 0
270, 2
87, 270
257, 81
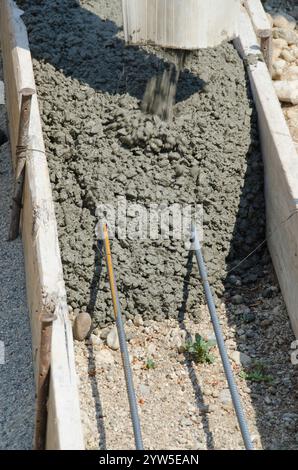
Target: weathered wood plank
281, 173
258, 17
262, 29
44, 276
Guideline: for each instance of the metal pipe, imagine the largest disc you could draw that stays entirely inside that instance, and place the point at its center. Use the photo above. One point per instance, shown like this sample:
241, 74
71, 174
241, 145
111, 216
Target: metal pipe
220, 341
103, 229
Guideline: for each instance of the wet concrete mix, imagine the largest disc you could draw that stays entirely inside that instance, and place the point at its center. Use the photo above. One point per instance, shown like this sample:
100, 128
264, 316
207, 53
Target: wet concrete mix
102, 146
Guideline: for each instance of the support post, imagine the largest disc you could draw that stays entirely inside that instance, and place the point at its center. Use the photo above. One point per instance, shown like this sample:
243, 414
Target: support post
21, 155
266, 48
43, 383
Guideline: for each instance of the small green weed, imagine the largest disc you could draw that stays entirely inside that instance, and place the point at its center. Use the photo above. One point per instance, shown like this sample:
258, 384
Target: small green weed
199, 350
150, 364
257, 373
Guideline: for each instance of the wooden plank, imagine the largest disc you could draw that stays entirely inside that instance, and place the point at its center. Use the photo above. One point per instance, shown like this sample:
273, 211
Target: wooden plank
281, 173
258, 18
44, 275
262, 29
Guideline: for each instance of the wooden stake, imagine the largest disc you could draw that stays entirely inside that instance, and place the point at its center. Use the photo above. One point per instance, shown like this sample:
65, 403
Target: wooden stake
21, 155
266, 48
43, 382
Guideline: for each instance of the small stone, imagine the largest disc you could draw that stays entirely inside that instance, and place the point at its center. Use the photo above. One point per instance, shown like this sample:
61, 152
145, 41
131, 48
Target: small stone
82, 326
151, 350
185, 422
278, 68
104, 358
267, 400
282, 20
138, 320
290, 36
241, 358
95, 340
112, 339
144, 390
280, 43
179, 170
249, 317
287, 56
267, 322
104, 333
225, 397
237, 299
270, 292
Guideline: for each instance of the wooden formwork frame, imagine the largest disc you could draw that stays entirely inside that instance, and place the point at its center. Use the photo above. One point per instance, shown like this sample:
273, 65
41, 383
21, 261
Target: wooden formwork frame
51, 329
280, 168
44, 275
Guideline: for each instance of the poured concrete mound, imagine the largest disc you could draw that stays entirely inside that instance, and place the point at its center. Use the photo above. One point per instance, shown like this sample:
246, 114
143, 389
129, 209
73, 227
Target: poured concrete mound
102, 147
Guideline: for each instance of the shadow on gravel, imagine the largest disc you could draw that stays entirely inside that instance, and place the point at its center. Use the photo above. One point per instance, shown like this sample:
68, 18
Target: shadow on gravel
97, 399
16, 367
255, 309
90, 40
190, 369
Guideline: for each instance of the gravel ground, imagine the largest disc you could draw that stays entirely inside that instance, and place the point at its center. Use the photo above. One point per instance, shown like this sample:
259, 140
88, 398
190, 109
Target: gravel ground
90, 88
184, 405
101, 146
16, 375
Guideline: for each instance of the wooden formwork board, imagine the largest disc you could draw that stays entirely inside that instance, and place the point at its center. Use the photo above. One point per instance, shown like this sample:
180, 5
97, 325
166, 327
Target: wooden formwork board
280, 169
44, 277
45, 284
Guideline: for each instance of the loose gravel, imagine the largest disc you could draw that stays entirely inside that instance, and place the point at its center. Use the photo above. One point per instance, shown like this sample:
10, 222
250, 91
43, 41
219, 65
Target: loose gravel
16, 374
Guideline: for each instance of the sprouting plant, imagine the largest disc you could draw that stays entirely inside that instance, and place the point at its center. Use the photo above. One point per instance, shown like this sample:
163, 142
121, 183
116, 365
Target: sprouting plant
150, 364
257, 373
199, 350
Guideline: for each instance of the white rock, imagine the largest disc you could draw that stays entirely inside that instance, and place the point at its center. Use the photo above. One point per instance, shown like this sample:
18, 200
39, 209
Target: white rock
287, 55
282, 20
291, 73
241, 359
104, 358
151, 350
287, 91
144, 390
95, 340
294, 51
280, 43
276, 53
292, 115
225, 397
112, 339
278, 69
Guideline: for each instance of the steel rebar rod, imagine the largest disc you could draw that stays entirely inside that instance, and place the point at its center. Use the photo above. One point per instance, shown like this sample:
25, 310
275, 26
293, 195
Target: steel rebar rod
220, 341
103, 232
